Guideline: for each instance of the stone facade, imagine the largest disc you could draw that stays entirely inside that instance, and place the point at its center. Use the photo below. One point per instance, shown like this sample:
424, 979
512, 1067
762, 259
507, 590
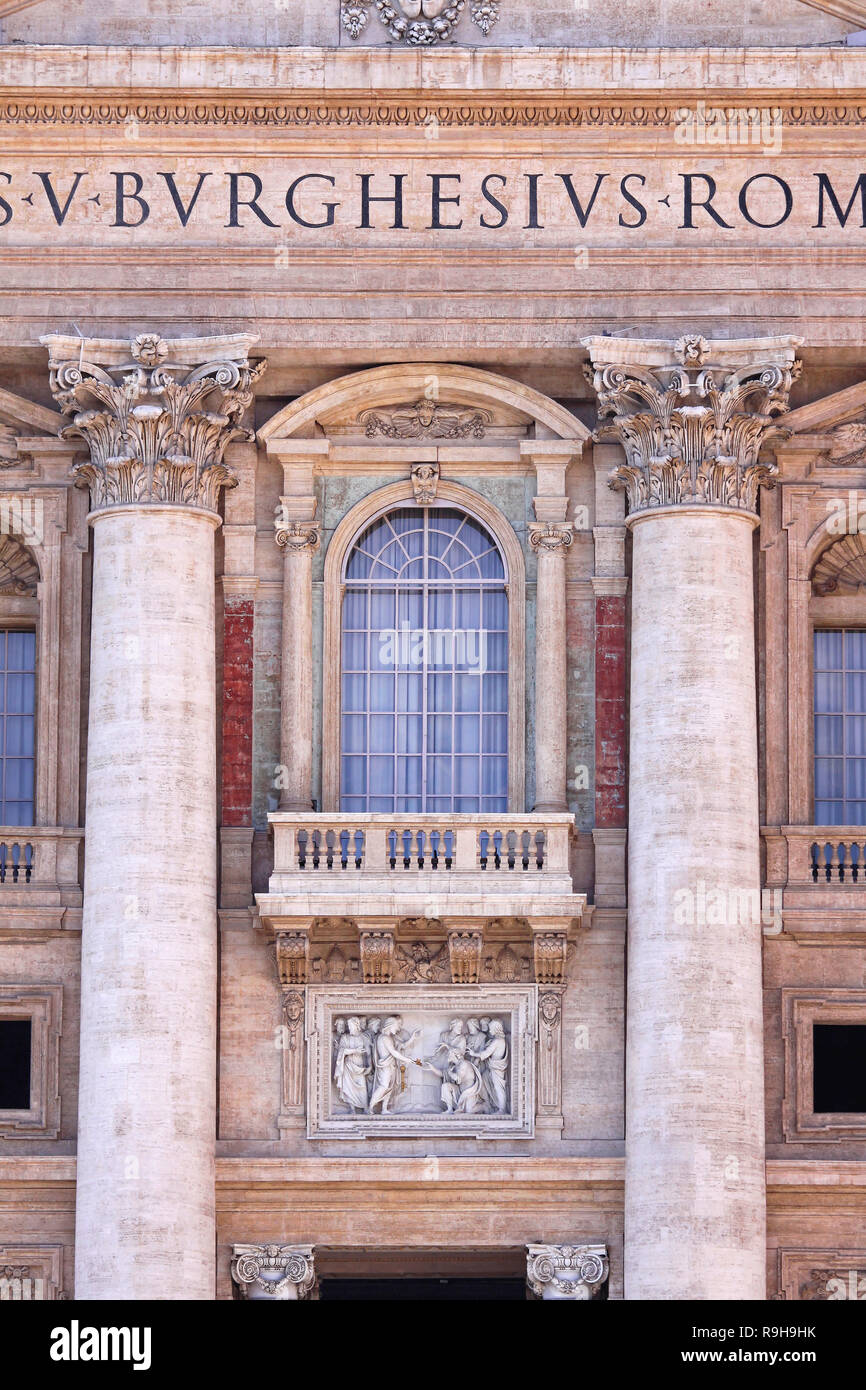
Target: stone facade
587, 276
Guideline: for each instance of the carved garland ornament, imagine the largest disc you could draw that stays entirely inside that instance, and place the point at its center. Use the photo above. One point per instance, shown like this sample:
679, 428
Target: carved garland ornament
691, 431
417, 22
151, 435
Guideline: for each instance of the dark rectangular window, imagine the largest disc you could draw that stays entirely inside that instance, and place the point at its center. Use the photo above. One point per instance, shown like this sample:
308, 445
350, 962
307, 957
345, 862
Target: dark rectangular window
15, 1045
17, 720
839, 1075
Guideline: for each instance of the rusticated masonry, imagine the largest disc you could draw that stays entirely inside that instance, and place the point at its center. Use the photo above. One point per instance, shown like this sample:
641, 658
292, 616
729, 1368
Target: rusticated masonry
692, 418
157, 417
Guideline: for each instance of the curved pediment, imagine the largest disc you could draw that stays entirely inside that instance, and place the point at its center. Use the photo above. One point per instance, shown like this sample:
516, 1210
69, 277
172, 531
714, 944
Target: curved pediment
429, 401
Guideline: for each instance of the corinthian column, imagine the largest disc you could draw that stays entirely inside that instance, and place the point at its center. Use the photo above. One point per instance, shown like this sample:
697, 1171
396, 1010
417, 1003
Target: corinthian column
692, 418
157, 417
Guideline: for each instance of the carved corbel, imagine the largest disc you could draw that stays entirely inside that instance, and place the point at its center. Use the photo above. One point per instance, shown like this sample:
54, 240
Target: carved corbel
293, 955
425, 480
550, 952
566, 1272
284, 1272
464, 952
377, 955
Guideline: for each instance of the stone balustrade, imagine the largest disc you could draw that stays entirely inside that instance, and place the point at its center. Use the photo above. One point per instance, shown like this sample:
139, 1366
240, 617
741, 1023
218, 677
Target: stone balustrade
441, 853
800, 856
40, 872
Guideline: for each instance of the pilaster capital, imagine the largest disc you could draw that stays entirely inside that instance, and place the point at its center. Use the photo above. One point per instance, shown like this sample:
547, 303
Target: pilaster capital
566, 1272
465, 943
274, 1271
692, 416
297, 536
156, 414
551, 536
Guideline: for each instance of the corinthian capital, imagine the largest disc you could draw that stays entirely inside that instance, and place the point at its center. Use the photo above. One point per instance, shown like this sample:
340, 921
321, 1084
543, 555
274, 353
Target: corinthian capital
156, 414
692, 416
550, 535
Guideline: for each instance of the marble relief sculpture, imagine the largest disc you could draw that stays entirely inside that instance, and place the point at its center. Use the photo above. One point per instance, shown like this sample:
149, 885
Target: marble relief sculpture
471, 1065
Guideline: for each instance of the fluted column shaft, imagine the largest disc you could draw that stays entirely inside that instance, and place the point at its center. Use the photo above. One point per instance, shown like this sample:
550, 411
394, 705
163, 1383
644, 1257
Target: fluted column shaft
692, 424
156, 424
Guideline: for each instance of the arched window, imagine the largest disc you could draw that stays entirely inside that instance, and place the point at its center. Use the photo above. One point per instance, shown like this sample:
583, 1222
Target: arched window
424, 707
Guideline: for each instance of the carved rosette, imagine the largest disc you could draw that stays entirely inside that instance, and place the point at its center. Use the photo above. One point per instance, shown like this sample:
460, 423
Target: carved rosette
297, 536
566, 1272
464, 951
156, 430
692, 431
551, 537
274, 1271
377, 957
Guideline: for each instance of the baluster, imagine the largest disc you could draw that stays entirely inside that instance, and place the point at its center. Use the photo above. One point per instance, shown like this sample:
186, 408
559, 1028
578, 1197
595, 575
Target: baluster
483, 840
511, 841
316, 838
497, 849
359, 847
448, 839
302, 849
815, 860
855, 862
28, 863
16, 859
392, 848
344, 849
407, 849
540, 842
524, 849
330, 840
3, 850
435, 841
842, 856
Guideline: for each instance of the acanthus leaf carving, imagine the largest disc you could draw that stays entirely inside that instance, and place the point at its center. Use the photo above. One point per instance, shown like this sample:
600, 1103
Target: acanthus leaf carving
692, 431
157, 430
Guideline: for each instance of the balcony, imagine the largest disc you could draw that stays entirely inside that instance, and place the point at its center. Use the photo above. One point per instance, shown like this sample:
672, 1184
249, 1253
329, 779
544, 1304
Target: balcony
451, 867
40, 883
820, 873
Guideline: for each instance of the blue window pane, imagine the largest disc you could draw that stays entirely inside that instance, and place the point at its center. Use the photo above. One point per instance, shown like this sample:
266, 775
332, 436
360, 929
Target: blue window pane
494, 776
410, 691
495, 733
855, 692
383, 607
855, 651
496, 651
829, 733
354, 610
466, 772
381, 733
439, 776
20, 694
20, 651
408, 776
439, 733
855, 735
829, 813
855, 778
828, 651
18, 813
354, 692
829, 693
829, 777
354, 776
381, 692
468, 731
354, 651
496, 693
409, 733
19, 735
467, 691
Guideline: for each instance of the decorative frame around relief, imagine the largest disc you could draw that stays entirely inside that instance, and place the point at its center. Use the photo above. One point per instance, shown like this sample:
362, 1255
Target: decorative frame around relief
325, 1003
